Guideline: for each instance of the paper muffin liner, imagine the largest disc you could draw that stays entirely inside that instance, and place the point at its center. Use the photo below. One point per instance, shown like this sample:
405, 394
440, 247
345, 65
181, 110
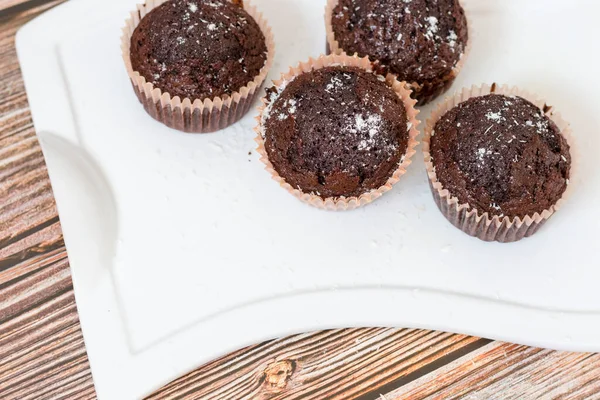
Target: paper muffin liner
434, 89
342, 203
469, 219
195, 115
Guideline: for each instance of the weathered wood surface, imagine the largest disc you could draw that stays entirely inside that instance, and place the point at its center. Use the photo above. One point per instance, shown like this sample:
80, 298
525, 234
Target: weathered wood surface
509, 371
324, 365
42, 354
5, 4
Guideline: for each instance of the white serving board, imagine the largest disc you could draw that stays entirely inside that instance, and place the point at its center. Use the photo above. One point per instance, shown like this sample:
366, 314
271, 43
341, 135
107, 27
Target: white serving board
183, 249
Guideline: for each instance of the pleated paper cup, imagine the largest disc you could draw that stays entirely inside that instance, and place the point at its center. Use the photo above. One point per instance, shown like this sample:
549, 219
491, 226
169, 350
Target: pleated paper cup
463, 215
425, 91
195, 115
341, 203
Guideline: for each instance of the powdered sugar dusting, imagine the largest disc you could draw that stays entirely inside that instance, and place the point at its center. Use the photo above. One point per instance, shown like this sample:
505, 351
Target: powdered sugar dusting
494, 116
481, 154
272, 97
366, 126
292, 105
452, 37
541, 125
433, 28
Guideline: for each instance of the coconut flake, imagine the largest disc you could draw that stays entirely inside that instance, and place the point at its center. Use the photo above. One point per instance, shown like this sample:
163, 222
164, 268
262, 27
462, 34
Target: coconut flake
334, 84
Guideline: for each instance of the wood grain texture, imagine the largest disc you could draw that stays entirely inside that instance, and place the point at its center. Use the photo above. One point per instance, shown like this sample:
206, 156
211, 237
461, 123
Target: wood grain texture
515, 372
41, 348
325, 365
42, 354
28, 218
5, 4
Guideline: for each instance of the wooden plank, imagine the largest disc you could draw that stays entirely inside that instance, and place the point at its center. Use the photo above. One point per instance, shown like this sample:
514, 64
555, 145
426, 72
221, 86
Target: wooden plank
28, 218
511, 372
42, 354
4, 4
333, 365
41, 346
10, 5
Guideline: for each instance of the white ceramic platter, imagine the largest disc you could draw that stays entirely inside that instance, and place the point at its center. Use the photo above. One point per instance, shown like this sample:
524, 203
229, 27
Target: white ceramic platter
183, 249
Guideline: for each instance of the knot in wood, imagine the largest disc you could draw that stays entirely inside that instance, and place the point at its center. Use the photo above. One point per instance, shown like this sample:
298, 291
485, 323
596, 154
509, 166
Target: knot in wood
277, 374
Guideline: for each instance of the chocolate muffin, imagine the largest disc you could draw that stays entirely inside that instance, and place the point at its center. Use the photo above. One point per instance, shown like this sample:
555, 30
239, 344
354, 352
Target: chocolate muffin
198, 49
420, 41
501, 155
339, 131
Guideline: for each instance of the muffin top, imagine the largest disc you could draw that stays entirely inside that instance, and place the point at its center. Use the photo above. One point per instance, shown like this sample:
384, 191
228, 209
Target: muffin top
198, 48
336, 131
501, 155
418, 40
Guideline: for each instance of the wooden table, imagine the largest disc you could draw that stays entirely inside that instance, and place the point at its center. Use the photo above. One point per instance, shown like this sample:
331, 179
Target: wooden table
42, 353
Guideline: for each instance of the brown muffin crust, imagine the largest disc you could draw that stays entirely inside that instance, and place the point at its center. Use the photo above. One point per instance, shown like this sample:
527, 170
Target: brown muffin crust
418, 40
337, 131
198, 49
501, 155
